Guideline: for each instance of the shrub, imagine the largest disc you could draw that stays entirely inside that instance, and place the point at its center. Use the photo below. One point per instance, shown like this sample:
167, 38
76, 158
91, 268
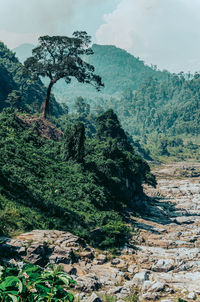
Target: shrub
32, 283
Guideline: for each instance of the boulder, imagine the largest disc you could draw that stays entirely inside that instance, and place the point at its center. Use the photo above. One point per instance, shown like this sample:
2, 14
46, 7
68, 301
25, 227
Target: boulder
94, 298
192, 296
88, 283
140, 277
163, 265
158, 287
100, 259
115, 261
150, 296
37, 254
147, 285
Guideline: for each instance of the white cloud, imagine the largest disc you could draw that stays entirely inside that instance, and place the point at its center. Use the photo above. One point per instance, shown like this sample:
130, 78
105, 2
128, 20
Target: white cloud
13, 39
21, 19
162, 32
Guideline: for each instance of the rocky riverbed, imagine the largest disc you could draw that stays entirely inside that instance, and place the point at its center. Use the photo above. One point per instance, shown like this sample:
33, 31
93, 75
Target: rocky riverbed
164, 262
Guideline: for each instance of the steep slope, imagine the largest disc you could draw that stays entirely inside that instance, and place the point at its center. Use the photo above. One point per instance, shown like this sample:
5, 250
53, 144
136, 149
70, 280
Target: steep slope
50, 180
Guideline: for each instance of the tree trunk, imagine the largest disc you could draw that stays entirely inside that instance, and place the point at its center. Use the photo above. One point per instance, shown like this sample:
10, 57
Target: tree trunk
45, 105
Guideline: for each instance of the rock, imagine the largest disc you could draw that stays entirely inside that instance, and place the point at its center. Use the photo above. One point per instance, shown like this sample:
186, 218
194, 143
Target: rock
184, 220
100, 259
57, 238
94, 298
69, 269
88, 283
150, 296
86, 255
115, 261
192, 296
37, 254
140, 277
80, 296
9, 248
147, 285
115, 290
61, 256
163, 265
157, 287
131, 269
22, 251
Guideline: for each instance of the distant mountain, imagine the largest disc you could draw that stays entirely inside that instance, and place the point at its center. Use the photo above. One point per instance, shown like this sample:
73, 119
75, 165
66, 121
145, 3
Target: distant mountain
23, 51
119, 71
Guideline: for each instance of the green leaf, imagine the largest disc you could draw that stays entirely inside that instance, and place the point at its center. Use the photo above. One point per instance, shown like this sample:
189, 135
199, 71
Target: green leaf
70, 297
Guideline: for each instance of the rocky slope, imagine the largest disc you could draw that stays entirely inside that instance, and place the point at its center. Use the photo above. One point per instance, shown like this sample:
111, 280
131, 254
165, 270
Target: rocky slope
165, 261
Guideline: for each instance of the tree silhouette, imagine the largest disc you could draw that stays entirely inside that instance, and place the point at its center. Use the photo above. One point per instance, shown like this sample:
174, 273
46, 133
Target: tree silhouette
60, 57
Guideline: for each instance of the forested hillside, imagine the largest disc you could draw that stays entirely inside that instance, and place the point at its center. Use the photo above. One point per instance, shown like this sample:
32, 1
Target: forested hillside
74, 183
158, 109
17, 89
162, 115
118, 69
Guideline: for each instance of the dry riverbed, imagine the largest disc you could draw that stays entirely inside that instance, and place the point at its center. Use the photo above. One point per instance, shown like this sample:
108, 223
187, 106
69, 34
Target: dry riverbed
163, 265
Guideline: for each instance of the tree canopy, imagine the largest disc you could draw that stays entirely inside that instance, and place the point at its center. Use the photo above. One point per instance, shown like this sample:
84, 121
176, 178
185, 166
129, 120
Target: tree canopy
61, 57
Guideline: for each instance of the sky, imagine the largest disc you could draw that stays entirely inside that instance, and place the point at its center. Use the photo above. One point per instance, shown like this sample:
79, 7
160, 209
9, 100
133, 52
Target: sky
165, 33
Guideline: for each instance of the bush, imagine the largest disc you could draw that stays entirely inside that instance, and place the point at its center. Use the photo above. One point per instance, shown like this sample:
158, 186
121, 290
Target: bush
32, 283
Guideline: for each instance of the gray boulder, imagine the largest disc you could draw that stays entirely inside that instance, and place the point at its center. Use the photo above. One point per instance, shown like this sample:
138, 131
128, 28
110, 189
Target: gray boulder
94, 298
163, 265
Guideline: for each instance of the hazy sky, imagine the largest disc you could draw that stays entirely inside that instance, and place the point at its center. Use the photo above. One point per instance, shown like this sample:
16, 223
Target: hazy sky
162, 32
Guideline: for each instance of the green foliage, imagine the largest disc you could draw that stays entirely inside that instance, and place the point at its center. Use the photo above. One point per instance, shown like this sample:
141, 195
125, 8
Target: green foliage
32, 283
132, 298
119, 71
74, 184
74, 143
61, 57
81, 106
169, 107
114, 234
24, 94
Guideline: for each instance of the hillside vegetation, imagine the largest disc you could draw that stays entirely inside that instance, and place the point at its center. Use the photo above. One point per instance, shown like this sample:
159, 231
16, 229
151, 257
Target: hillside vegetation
17, 89
75, 184
118, 69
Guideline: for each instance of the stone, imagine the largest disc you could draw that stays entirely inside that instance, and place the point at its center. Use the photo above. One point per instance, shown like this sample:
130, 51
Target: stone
69, 269
115, 290
86, 255
184, 220
37, 254
192, 296
131, 269
140, 277
88, 283
79, 296
115, 261
101, 259
163, 265
157, 287
94, 298
147, 285
150, 296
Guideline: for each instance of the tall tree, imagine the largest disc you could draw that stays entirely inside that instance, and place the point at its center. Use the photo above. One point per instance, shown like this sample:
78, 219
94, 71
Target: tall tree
74, 143
61, 57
